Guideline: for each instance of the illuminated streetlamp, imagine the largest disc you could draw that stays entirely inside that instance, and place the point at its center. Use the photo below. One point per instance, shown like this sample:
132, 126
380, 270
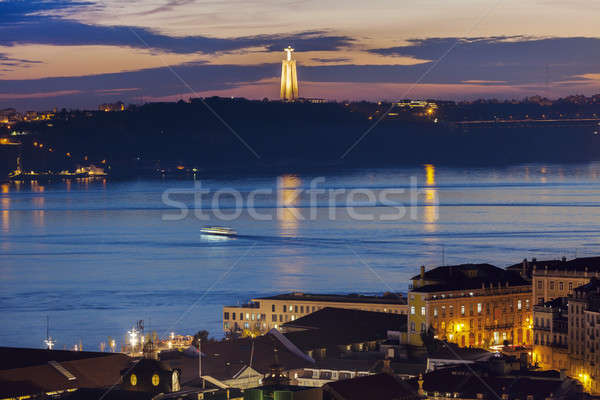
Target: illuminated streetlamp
133, 338
49, 342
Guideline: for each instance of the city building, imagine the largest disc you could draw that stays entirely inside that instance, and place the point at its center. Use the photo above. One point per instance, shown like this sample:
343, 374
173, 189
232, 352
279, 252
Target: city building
500, 378
558, 278
289, 78
550, 334
236, 363
263, 314
470, 305
108, 107
584, 335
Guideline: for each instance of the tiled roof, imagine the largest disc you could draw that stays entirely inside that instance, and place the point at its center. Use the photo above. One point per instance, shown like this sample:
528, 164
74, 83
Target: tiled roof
223, 360
468, 276
379, 386
337, 326
34, 370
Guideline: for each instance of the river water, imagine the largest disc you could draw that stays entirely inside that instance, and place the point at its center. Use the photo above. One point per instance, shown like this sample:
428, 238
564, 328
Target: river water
94, 256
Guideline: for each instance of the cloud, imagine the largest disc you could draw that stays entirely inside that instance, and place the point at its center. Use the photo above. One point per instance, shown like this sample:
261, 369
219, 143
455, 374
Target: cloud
513, 59
33, 22
7, 61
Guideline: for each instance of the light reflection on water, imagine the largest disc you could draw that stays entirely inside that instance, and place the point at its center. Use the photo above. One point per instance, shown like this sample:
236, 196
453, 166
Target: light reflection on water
96, 256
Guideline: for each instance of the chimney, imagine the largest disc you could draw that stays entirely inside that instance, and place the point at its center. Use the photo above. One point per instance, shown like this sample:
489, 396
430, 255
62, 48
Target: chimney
564, 259
422, 272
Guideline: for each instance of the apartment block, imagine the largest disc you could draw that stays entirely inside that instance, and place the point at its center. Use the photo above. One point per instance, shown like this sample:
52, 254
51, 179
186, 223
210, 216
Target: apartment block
263, 314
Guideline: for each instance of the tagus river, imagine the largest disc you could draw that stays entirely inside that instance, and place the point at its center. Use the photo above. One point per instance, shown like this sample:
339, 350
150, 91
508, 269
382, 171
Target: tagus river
96, 256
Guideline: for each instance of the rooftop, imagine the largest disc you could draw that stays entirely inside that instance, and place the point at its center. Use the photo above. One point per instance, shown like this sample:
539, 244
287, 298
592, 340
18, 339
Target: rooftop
466, 276
223, 360
387, 298
337, 326
34, 371
379, 386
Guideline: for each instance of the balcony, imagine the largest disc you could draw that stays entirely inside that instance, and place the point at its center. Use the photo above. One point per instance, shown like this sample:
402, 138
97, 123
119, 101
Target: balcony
498, 327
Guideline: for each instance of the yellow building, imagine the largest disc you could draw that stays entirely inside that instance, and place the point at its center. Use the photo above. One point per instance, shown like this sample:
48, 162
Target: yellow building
550, 335
266, 313
558, 278
471, 305
289, 78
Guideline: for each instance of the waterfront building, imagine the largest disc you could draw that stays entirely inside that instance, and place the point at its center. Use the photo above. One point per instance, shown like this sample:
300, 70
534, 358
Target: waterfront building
558, 278
550, 333
289, 78
470, 305
265, 313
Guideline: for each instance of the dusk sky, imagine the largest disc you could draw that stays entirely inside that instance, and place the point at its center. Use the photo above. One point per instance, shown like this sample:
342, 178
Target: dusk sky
78, 54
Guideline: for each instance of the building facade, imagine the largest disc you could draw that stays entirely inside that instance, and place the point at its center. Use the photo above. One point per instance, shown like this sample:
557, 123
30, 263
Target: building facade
558, 278
550, 335
471, 305
266, 313
584, 335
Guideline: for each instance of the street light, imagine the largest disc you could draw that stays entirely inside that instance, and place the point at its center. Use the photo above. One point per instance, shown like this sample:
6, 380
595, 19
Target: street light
133, 338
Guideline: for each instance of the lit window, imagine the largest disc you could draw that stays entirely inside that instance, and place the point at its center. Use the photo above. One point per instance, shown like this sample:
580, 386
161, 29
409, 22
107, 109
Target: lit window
479, 308
462, 310
412, 310
422, 310
519, 304
155, 380
435, 312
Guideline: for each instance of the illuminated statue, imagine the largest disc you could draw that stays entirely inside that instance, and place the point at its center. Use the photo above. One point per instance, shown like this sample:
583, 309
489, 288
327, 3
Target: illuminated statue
289, 79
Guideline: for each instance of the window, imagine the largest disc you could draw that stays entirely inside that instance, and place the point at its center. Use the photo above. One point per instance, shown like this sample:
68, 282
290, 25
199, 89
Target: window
247, 316
313, 308
253, 317
412, 310
295, 309
274, 318
570, 286
273, 308
291, 308
462, 310
560, 286
280, 317
540, 284
479, 308
412, 326
443, 325
551, 285
422, 310
435, 311
519, 305
246, 325
302, 309
226, 316
422, 327
233, 316
284, 308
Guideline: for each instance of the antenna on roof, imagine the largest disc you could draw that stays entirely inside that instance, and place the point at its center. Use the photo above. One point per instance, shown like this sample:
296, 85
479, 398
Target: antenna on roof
49, 342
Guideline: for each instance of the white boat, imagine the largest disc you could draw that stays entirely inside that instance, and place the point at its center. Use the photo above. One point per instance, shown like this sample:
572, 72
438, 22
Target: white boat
218, 231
